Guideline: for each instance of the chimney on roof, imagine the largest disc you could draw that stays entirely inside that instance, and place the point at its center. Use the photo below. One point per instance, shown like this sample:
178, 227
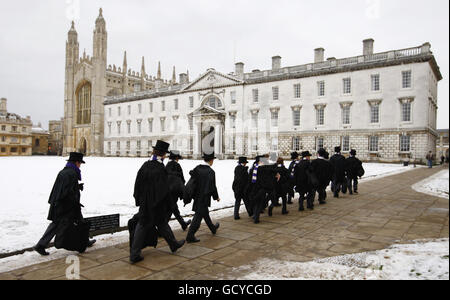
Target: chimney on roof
319, 55
3, 109
276, 63
368, 47
183, 78
239, 70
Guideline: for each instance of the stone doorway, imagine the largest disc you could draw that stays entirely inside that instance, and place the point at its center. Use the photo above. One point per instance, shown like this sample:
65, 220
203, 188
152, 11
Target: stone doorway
83, 146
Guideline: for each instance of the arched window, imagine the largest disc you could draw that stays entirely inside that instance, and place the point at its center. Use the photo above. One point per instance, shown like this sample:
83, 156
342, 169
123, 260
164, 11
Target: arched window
83, 96
214, 102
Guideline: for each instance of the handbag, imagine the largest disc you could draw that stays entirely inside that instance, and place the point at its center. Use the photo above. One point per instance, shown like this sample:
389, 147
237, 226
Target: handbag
72, 235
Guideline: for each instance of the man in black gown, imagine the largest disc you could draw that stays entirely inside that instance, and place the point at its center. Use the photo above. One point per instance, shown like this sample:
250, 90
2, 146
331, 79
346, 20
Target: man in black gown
240, 185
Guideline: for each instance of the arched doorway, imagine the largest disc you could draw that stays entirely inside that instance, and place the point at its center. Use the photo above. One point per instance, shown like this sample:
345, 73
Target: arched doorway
208, 139
82, 148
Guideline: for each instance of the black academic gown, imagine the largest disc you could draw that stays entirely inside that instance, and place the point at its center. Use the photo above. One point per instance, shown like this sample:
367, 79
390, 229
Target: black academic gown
339, 164
324, 172
205, 179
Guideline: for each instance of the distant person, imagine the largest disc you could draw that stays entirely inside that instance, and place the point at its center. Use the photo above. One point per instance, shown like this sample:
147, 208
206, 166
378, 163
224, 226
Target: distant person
294, 162
354, 170
430, 158
324, 173
152, 196
205, 189
64, 201
442, 159
304, 184
281, 187
176, 186
240, 186
339, 180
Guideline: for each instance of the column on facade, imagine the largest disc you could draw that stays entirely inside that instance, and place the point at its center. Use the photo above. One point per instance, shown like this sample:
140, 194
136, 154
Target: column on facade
197, 140
218, 139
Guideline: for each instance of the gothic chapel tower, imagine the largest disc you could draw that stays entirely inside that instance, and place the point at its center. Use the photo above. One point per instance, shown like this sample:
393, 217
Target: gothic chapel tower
84, 91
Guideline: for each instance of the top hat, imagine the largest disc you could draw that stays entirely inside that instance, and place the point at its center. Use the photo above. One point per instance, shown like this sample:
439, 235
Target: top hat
337, 149
353, 152
162, 146
208, 157
76, 156
306, 154
174, 154
258, 158
322, 152
243, 160
294, 155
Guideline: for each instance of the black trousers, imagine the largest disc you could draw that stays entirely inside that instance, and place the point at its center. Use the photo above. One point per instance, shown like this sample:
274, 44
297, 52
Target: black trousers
140, 235
239, 198
322, 192
48, 236
352, 184
291, 191
260, 201
308, 196
339, 185
284, 203
177, 215
201, 214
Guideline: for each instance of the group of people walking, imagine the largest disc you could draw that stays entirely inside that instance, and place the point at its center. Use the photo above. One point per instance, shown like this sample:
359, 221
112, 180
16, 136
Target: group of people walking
267, 182
159, 187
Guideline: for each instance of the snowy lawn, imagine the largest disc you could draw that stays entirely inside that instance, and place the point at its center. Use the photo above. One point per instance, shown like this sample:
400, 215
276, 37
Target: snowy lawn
26, 182
436, 185
424, 260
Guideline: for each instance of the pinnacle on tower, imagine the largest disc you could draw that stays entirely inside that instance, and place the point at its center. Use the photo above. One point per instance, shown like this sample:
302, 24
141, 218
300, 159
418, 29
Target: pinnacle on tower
143, 67
174, 76
158, 75
125, 64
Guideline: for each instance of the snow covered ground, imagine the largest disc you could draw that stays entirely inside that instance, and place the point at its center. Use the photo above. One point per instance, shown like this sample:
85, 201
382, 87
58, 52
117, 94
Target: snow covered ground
423, 260
436, 185
26, 182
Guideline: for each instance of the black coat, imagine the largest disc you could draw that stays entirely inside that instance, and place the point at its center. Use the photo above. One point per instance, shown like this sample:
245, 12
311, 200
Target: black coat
323, 170
151, 192
65, 197
205, 187
354, 166
340, 167
240, 179
174, 168
283, 185
176, 180
303, 177
266, 178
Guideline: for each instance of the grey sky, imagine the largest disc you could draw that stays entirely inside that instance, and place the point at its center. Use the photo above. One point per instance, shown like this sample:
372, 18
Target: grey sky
198, 34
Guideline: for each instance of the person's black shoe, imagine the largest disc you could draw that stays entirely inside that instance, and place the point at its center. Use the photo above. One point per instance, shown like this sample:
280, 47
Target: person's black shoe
186, 225
311, 208
192, 240
301, 209
270, 211
322, 202
177, 246
285, 212
136, 260
256, 221
356, 192
237, 218
336, 196
216, 227
277, 204
41, 250
91, 243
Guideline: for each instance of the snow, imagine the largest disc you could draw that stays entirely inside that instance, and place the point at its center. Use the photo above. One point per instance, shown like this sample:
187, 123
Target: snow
26, 183
423, 260
436, 185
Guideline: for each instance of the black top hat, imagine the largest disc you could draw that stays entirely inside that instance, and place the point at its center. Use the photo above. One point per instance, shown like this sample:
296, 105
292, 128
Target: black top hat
322, 152
353, 152
306, 154
337, 149
258, 158
294, 155
243, 160
174, 154
76, 156
208, 157
162, 146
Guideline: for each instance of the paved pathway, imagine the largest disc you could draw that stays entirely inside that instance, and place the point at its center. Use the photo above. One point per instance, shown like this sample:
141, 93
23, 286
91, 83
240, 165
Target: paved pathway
386, 210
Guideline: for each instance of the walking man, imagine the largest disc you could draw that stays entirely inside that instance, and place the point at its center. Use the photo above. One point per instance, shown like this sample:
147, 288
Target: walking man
152, 195
323, 170
354, 170
292, 165
205, 180
64, 200
239, 186
281, 187
339, 164
303, 182
430, 158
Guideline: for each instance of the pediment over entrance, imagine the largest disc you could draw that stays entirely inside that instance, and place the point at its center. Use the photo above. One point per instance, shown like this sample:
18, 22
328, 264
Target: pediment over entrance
207, 111
212, 79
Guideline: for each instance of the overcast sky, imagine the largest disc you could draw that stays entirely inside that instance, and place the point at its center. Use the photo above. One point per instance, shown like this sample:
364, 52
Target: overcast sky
199, 34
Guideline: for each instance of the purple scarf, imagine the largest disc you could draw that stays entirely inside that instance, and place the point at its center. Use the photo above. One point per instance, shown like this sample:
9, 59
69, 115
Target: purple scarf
73, 166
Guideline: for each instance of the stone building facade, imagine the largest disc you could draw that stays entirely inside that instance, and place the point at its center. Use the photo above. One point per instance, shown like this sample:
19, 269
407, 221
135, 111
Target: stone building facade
15, 133
88, 80
442, 144
384, 105
40, 138
55, 140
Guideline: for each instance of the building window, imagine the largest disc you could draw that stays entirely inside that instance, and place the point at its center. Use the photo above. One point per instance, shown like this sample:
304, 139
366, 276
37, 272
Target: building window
163, 125
140, 108
191, 123
150, 125
175, 124
373, 143
24, 150
175, 104
119, 125
3, 138
138, 145
191, 102
137, 87
346, 143
191, 144
37, 142
150, 144
233, 97
233, 144
275, 93
119, 111
233, 121
139, 127
274, 144
255, 119
3, 128
14, 150
296, 117
274, 118
110, 111
296, 141
346, 115
375, 82
129, 109
118, 145
297, 91
321, 88
128, 145
151, 107
109, 128
320, 116
255, 144
163, 105
347, 86
109, 146
3, 150
405, 143
319, 143
83, 96
213, 102
406, 79
255, 95
14, 129
129, 127
375, 113
406, 111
